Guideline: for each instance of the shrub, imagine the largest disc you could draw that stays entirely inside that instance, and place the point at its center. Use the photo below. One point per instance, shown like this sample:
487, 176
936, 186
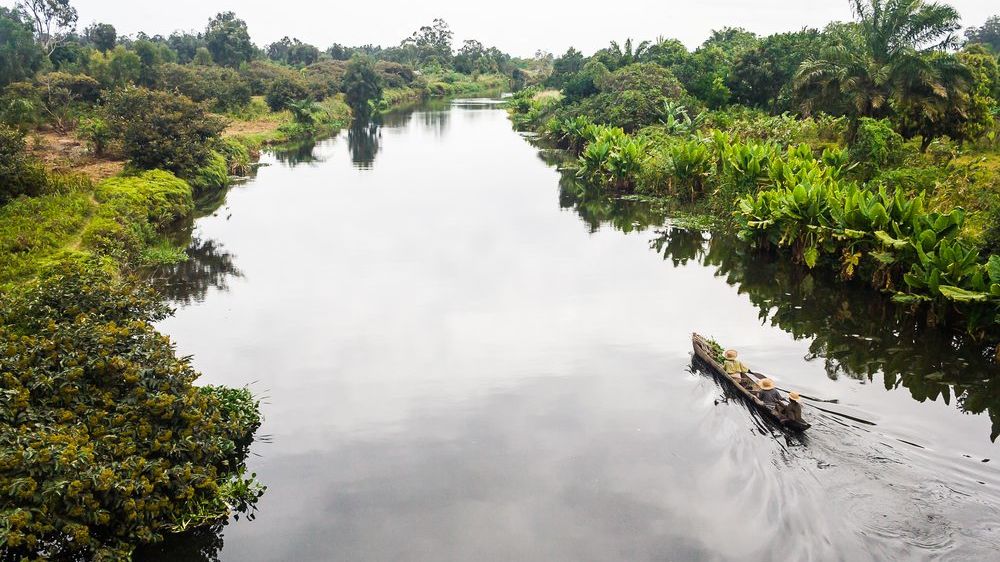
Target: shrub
20, 174
633, 96
283, 91
162, 130
223, 87
395, 75
105, 442
876, 146
95, 131
260, 74
238, 157
212, 176
690, 165
612, 158
323, 79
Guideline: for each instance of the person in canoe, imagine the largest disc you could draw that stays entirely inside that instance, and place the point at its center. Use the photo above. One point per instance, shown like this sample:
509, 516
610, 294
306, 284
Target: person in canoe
793, 410
737, 370
769, 395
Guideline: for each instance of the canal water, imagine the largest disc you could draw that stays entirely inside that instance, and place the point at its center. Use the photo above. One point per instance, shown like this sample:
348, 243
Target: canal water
464, 355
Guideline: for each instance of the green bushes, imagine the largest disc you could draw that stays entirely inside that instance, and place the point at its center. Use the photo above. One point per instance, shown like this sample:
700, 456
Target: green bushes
876, 146
225, 88
19, 173
690, 165
283, 91
238, 157
212, 176
632, 97
323, 79
612, 158
160, 130
105, 442
906, 250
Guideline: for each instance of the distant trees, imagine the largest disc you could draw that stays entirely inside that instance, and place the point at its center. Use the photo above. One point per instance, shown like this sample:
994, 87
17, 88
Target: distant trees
20, 57
102, 36
227, 38
988, 34
362, 86
53, 20
563, 67
187, 45
633, 96
761, 75
292, 52
431, 44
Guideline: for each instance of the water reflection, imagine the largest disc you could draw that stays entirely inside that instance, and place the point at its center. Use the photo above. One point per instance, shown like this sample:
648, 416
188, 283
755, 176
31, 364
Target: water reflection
363, 140
298, 152
597, 209
209, 266
855, 332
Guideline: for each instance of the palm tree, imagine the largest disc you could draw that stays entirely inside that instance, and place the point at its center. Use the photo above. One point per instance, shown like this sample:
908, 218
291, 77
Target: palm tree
625, 55
880, 61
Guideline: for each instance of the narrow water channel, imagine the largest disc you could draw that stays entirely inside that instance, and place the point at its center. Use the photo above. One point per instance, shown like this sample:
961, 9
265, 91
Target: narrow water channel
465, 356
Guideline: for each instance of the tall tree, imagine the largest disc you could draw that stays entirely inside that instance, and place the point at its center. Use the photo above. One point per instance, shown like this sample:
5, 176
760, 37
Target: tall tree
761, 76
431, 43
52, 20
228, 40
20, 56
102, 36
880, 59
362, 86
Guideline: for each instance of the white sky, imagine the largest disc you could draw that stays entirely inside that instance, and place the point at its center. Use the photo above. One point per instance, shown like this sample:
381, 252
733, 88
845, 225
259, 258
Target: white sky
516, 26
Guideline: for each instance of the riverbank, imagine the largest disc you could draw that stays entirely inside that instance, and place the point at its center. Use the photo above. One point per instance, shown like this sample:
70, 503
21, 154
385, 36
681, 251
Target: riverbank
918, 226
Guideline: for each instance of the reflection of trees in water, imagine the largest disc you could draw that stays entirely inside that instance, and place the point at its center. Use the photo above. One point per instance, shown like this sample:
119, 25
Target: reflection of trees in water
436, 122
856, 332
363, 142
297, 152
596, 208
208, 266
198, 545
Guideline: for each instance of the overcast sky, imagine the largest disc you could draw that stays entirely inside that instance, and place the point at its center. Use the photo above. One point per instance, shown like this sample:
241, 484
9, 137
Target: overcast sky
519, 27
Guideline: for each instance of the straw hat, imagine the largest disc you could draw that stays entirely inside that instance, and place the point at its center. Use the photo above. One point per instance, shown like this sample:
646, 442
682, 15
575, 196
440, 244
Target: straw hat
794, 396
731, 354
766, 384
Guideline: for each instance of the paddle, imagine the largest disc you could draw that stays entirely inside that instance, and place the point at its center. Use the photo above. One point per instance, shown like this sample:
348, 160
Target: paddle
806, 396
850, 417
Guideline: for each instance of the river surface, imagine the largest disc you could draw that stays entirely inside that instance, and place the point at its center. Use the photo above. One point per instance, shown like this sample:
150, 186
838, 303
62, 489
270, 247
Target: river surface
466, 356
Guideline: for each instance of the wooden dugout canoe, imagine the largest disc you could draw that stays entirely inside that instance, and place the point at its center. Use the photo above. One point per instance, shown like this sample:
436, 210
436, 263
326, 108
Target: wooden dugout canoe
703, 352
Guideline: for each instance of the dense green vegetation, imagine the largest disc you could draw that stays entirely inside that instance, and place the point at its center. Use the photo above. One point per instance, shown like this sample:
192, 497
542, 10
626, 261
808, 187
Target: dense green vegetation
869, 148
105, 441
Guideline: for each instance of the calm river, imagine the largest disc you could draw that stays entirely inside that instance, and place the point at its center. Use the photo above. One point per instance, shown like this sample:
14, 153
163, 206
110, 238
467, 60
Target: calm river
466, 356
